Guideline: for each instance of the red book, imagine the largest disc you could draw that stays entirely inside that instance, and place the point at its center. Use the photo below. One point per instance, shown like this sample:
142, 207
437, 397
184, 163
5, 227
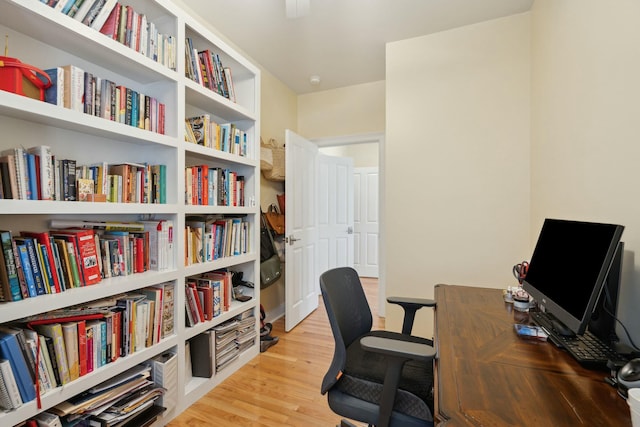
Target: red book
225, 289
138, 247
82, 347
89, 349
110, 27
207, 301
87, 253
199, 305
45, 239
116, 345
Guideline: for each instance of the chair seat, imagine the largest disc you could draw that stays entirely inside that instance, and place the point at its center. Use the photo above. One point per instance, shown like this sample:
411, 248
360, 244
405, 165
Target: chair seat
365, 372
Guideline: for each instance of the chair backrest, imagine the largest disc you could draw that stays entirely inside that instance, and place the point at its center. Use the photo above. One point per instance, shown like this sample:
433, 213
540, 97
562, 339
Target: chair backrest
348, 312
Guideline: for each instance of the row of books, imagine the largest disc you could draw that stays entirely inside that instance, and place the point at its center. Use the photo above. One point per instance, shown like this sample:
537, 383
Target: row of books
211, 238
123, 24
205, 67
207, 296
50, 262
214, 349
37, 174
43, 352
82, 91
125, 182
202, 130
213, 186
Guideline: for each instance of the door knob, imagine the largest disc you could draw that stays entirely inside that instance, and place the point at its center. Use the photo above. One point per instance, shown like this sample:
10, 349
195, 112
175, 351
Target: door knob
291, 239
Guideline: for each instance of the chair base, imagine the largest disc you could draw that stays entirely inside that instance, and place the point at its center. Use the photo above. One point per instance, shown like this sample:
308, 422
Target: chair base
345, 423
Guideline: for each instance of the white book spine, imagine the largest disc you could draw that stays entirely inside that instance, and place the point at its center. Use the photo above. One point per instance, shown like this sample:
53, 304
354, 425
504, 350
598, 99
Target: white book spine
46, 170
10, 382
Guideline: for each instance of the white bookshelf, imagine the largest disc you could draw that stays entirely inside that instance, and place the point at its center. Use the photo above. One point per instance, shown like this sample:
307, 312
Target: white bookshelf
43, 37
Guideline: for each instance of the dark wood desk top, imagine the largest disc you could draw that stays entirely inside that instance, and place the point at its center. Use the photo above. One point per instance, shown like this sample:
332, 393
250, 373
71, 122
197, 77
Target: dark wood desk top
487, 376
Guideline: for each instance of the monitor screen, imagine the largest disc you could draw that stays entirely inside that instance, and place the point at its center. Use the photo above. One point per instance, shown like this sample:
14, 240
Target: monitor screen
569, 266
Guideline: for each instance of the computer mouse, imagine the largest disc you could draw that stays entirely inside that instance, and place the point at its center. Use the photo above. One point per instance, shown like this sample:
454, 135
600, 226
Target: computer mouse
629, 374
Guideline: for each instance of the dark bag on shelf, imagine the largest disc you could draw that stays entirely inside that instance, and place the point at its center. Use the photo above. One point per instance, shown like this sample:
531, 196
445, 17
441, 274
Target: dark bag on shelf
270, 271
270, 267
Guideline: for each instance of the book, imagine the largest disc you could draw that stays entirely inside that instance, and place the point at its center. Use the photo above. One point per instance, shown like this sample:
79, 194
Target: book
10, 350
54, 331
110, 26
44, 238
161, 248
9, 177
70, 336
63, 256
81, 328
5, 401
55, 93
10, 385
21, 338
207, 300
74, 87
45, 160
83, 9
93, 12
48, 361
8, 273
16, 156
155, 294
141, 326
33, 345
86, 253
35, 262
27, 269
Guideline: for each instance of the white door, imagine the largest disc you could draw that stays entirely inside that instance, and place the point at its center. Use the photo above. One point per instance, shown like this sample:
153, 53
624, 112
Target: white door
301, 296
335, 212
366, 221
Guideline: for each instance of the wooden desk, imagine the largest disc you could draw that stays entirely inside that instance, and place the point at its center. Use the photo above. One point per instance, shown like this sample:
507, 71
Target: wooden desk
487, 376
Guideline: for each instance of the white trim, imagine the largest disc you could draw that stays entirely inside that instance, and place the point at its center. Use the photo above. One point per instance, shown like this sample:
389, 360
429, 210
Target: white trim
336, 141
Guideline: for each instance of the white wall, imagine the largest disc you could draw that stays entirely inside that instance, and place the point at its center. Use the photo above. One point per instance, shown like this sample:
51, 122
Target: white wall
456, 189
585, 122
352, 110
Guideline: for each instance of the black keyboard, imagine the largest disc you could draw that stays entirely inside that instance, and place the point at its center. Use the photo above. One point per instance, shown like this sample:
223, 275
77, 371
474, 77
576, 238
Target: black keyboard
587, 349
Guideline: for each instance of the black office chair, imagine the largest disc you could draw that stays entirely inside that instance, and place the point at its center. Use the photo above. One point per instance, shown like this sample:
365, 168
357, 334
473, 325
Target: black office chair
382, 378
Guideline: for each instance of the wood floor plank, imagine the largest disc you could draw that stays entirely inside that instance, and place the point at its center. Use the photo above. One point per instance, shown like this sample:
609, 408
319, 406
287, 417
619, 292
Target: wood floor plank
280, 387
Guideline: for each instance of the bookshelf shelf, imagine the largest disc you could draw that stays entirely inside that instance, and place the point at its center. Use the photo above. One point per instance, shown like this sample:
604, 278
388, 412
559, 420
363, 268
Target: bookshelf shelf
46, 38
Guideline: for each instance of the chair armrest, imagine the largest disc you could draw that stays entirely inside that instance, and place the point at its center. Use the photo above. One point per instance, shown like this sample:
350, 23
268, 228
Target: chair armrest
410, 306
418, 302
397, 348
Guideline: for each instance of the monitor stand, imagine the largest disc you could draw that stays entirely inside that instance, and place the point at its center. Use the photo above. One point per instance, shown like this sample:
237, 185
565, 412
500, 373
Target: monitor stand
603, 322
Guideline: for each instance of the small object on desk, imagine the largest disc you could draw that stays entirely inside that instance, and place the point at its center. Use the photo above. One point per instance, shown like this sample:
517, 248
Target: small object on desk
521, 300
530, 332
507, 294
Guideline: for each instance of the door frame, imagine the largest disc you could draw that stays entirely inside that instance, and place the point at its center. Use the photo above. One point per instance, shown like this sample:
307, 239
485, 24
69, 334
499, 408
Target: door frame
376, 137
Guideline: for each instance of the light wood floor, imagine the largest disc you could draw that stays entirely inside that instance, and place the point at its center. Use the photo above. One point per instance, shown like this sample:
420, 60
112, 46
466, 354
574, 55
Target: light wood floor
280, 387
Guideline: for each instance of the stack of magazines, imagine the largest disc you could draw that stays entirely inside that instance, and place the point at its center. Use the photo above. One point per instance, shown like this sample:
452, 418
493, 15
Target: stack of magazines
226, 347
125, 400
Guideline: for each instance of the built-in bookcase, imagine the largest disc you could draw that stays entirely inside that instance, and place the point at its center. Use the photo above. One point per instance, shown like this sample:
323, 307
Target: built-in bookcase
41, 36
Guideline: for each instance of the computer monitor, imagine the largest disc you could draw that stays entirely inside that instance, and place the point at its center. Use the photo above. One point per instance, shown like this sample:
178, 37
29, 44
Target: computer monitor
603, 316
569, 266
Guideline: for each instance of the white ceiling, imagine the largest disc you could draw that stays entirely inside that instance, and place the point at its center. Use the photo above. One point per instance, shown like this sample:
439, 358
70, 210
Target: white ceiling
341, 41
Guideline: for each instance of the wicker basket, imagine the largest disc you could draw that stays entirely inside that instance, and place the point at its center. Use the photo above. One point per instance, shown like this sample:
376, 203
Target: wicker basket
273, 156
